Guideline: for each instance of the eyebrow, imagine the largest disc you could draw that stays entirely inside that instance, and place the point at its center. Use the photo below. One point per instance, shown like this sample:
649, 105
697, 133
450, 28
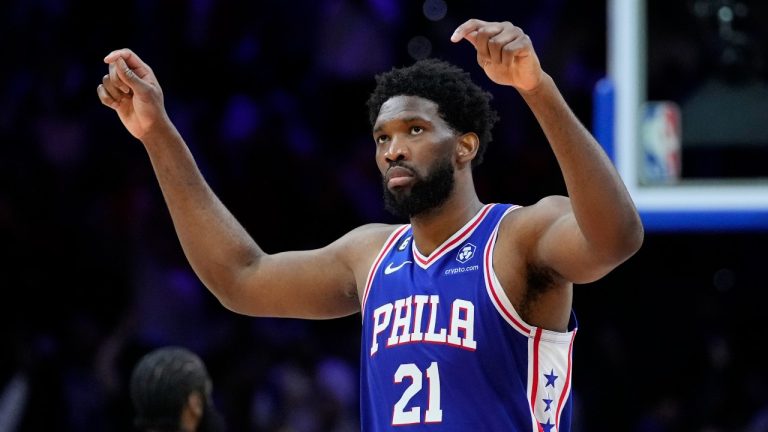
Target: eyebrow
407, 120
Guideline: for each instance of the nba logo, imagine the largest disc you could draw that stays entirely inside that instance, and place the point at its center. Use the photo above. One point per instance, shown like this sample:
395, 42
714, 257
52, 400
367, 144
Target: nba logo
466, 253
660, 140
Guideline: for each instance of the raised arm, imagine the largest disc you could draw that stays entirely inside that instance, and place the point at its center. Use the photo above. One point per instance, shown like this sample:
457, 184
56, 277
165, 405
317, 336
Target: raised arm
310, 284
581, 238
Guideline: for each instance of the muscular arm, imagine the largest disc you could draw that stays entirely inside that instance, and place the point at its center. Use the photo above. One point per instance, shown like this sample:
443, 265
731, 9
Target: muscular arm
597, 227
311, 284
304, 284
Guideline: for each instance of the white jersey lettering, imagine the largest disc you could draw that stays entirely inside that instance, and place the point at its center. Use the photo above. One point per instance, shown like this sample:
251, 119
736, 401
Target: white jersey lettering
404, 318
381, 317
466, 324
402, 321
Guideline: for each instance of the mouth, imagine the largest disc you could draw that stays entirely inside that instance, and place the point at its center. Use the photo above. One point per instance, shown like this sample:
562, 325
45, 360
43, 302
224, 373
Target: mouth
398, 176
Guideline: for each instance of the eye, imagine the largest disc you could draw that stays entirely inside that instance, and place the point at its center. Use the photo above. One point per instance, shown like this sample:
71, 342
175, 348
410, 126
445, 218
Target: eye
381, 139
416, 130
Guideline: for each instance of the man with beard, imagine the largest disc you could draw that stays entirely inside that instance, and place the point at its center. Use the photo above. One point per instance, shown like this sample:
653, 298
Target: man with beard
466, 310
171, 391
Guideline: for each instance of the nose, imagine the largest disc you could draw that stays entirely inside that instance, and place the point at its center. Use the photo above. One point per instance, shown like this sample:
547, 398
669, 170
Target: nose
396, 151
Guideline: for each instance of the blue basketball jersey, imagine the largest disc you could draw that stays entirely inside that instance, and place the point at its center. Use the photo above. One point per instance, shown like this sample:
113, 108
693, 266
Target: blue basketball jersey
444, 350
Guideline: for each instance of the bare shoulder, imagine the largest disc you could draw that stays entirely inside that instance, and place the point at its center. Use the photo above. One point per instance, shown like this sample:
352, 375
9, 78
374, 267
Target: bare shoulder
372, 228
522, 230
360, 246
365, 240
532, 219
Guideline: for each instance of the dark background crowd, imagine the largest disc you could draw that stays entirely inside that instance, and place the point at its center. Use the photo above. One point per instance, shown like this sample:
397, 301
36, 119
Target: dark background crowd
270, 96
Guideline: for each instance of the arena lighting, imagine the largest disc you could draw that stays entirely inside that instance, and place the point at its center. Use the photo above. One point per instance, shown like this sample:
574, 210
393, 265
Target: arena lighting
718, 204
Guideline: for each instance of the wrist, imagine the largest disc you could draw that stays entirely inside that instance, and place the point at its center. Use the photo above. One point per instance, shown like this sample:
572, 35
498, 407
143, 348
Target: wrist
160, 131
544, 82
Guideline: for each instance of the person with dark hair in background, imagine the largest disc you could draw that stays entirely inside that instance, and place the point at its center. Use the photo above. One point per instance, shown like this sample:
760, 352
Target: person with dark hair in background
171, 392
467, 320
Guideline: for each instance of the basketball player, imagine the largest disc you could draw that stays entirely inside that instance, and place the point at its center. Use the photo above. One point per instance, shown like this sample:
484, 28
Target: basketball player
466, 310
171, 391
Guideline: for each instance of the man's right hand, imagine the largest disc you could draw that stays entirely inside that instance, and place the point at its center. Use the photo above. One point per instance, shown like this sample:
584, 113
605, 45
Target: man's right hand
504, 52
131, 89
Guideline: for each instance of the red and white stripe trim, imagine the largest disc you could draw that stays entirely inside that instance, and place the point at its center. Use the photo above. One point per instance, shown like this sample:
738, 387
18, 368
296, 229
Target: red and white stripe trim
548, 351
567, 389
377, 262
533, 376
496, 291
547, 355
457, 238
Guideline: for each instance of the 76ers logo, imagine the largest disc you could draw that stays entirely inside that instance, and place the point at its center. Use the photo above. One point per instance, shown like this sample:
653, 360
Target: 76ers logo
466, 253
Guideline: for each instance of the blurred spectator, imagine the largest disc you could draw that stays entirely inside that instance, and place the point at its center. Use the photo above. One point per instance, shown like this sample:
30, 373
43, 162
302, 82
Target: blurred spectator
172, 391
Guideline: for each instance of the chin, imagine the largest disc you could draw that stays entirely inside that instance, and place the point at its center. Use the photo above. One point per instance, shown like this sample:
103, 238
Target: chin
400, 191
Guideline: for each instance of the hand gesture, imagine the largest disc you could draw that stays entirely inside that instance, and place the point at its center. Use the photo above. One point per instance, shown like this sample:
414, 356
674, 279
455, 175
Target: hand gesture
504, 52
131, 89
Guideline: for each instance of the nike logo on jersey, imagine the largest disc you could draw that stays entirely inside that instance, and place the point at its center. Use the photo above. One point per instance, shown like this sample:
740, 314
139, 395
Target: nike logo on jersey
390, 269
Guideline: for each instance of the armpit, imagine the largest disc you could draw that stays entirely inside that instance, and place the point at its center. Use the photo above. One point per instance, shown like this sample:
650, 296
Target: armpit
539, 280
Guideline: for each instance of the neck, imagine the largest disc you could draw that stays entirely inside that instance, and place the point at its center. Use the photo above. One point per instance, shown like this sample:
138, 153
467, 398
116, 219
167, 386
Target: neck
432, 228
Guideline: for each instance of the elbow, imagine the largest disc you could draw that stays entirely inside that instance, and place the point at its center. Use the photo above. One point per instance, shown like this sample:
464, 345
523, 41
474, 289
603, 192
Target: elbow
611, 250
629, 239
231, 283
225, 286
242, 293
612, 254
226, 301
237, 295
635, 235
234, 301
222, 292
617, 245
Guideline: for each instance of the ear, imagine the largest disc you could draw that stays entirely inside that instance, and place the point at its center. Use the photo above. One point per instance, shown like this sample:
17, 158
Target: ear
466, 148
192, 411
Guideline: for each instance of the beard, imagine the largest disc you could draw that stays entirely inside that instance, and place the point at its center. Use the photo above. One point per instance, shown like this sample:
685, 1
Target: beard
426, 194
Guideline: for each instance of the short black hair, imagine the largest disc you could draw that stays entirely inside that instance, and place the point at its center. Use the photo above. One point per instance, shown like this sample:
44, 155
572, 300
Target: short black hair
461, 103
161, 382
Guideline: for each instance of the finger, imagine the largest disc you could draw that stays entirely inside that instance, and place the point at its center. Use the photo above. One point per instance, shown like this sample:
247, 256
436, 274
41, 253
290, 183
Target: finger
134, 62
468, 27
115, 79
484, 33
112, 88
105, 97
129, 76
517, 49
112, 56
498, 43
126, 54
